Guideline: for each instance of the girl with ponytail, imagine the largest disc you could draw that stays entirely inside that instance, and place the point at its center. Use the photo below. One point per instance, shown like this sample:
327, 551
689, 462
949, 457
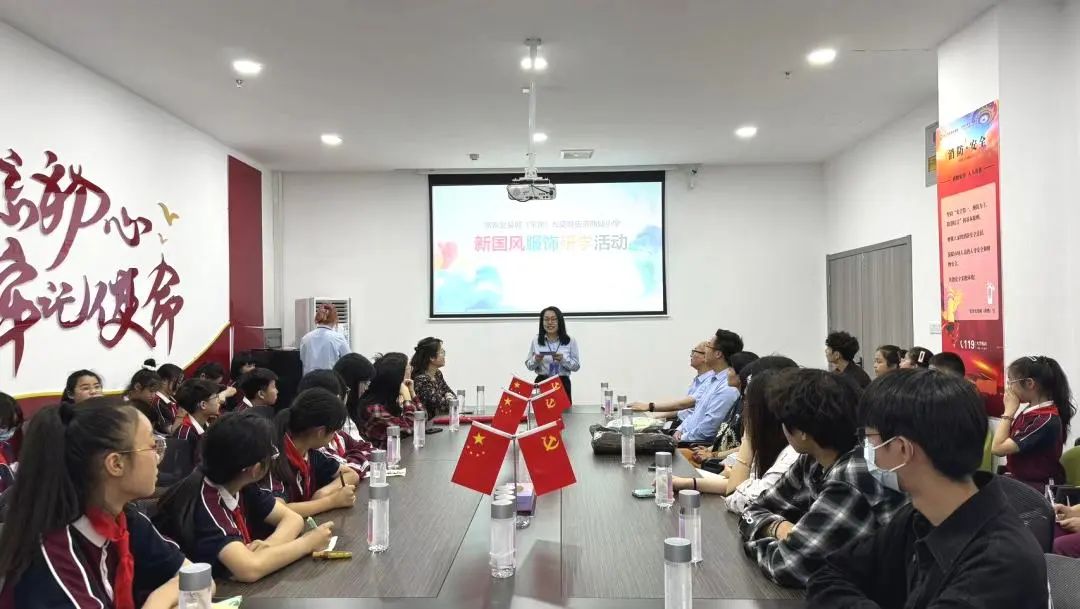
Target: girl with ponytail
1032, 431
218, 513
385, 402
72, 540
308, 480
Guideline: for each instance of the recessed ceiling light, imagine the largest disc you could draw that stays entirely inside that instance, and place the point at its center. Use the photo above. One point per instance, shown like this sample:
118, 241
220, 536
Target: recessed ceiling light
746, 132
331, 139
539, 137
540, 65
821, 57
247, 67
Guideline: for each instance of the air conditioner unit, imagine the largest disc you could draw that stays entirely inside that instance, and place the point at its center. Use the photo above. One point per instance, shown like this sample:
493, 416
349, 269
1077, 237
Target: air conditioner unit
305, 315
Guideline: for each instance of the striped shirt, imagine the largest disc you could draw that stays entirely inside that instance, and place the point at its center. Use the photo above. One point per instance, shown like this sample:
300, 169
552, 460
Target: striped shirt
1038, 433
346, 450
76, 567
216, 521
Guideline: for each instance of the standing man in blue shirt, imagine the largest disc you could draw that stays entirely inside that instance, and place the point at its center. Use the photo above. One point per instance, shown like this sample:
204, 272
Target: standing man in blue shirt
699, 424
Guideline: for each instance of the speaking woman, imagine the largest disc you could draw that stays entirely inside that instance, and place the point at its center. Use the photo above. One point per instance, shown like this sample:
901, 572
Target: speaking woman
553, 352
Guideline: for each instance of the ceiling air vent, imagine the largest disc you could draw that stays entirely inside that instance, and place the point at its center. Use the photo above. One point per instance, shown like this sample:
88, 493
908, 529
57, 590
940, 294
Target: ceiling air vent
577, 155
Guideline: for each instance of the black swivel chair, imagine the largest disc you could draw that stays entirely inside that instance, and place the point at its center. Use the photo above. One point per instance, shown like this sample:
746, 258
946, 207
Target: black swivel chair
1064, 576
1033, 507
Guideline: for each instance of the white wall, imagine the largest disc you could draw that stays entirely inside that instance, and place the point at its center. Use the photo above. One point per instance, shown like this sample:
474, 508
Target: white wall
744, 252
875, 192
139, 155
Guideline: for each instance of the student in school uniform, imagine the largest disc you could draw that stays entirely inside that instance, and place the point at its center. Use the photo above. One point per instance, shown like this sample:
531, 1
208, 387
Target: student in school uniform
201, 403
80, 386
1032, 431
166, 408
72, 541
342, 447
259, 391
384, 403
242, 363
215, 512
356, 371
306, 479
11, 437
144, 387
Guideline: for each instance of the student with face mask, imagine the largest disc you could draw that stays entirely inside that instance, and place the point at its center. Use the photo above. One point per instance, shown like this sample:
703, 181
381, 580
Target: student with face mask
959, 543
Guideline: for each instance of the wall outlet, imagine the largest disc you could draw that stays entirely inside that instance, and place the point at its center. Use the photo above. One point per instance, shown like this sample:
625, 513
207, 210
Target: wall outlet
935, 328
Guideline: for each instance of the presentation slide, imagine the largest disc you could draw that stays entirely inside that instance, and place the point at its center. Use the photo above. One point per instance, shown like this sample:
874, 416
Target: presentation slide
597, 249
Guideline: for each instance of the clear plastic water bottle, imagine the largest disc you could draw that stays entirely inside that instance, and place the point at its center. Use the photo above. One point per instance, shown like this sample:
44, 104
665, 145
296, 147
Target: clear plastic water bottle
378, 466
629, 450
461, 398
196, 581
620, 403
418, 427
378, 518
690, 521
479, 399
501, 548
627, 415
393, 445
604, 388
608, 406
678, 579
665, 497
455, 414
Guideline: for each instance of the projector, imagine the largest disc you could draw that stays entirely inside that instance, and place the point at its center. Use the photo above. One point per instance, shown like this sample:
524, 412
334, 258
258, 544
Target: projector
530, 189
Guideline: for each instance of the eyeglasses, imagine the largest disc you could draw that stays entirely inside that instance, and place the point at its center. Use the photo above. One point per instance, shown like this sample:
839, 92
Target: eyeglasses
159, 447
696, 352
1016, 381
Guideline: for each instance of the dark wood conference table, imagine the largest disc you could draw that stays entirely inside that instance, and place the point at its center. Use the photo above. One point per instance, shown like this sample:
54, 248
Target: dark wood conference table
589, 545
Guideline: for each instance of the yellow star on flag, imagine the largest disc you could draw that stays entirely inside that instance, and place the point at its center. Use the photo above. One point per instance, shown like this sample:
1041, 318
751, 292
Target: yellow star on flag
478, 438
507, 401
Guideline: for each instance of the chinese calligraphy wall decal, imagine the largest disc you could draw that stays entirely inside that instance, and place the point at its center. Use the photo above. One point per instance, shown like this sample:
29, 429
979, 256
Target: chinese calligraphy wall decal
969, 239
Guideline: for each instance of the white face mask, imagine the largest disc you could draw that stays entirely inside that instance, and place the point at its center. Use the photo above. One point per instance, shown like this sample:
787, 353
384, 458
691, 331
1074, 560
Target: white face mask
887, 477
6, 434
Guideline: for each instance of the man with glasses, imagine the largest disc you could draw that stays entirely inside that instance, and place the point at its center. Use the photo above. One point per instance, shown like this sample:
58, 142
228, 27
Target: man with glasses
959, 543
705, 376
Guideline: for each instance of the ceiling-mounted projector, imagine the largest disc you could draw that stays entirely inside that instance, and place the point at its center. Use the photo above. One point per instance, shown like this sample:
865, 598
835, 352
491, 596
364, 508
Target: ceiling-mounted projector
530, 189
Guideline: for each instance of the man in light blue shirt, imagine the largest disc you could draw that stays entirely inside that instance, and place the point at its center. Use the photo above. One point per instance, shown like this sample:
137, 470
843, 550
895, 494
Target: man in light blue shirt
671, 408
701, 423
321, 348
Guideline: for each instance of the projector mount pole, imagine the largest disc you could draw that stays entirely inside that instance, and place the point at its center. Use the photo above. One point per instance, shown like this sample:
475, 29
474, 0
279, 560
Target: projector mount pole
530, 171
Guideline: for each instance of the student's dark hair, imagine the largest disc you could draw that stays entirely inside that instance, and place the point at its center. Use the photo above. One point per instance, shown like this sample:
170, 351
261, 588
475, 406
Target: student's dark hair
727, 343
11, 414
919, 356
819, 403
949, 362
1051, 380
741, 360
384, 388
354, 369
564, 338
312, 409
73, 381
237, 441
766, 434
143, 378
194, 392
844, 344
939, 411
172, 375
426, 351
239, 360
59, 467
255, 381
891, 354
323, 379
210, 370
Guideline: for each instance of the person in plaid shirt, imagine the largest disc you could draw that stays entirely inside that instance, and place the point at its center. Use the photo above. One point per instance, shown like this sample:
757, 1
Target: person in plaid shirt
828, 498
387, 401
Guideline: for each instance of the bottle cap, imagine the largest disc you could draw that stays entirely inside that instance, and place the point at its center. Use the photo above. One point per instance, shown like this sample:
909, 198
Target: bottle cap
379, 491
195, 577
689, 499
627, 430
677, 549
604, 385
621, 398
420, 415
394, 431
379, 456
627, 412
503, 508
608, 393
663, 459
479, 387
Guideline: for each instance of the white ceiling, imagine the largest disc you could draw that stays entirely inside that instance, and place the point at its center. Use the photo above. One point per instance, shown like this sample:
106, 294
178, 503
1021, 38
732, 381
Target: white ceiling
423, 83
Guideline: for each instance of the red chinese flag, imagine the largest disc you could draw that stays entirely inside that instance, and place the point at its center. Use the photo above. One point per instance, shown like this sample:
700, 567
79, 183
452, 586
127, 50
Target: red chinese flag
521, 386
545, 456
548, 407
508, 414
481, 459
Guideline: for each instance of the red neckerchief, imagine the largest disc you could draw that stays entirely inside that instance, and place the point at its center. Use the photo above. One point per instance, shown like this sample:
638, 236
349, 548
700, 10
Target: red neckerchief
116, 531
339, 445
241, 522
301, 466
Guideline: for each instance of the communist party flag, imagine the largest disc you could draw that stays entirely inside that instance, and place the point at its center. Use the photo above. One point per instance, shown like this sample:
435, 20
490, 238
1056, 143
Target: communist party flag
481, 458
545, 456
521, 386
508, 414
549, 405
